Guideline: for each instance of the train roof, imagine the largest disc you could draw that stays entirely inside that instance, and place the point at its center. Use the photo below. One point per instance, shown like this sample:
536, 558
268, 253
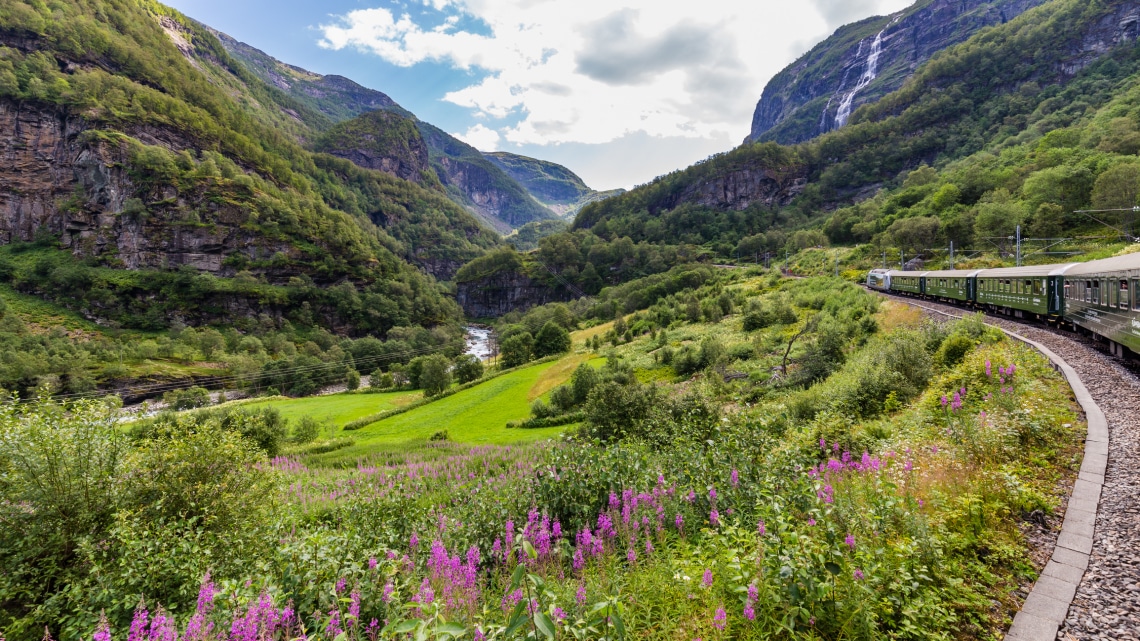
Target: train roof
952, 273
1127, 262
1028, 271
898, 272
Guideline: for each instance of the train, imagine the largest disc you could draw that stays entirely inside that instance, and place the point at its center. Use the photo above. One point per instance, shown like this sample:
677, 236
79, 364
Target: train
1100, 297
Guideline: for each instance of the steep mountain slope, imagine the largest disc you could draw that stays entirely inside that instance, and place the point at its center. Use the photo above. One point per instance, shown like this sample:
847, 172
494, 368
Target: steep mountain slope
470, 179
553, 185
866, 60
1015, 82
384, 141
135, 139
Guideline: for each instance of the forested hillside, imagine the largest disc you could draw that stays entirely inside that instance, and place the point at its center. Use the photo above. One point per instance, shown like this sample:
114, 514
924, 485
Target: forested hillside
1022, 123
140, 146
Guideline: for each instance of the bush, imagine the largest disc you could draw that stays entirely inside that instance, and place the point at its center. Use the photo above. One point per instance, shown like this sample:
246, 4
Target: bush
562, 398
435, 376
306, 430
517, 349
381, 380
186, 399
551, 339
467, 368
584, 379
613, 411
352, 380
953, 350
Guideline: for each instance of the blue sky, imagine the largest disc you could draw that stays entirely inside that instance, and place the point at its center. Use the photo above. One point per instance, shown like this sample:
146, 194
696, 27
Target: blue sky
618, 91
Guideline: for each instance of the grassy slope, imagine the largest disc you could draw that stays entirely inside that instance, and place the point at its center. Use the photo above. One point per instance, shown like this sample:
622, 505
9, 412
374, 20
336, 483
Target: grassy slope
340, 408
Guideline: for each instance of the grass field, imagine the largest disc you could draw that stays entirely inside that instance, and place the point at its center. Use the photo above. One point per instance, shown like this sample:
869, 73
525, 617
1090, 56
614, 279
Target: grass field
476, 416
340, 408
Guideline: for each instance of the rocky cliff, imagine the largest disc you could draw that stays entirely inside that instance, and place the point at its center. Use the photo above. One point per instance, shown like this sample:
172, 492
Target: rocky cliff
505, 291
69, 179
866, 60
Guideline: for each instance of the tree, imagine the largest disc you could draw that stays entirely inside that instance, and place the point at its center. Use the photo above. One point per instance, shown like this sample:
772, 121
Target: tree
551, 339
1117, 188
434, 375
210, 341
352, 380
915, 234
517, 349
467, 368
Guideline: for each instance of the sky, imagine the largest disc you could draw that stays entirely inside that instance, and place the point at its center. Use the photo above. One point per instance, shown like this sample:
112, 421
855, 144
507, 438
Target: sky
619, 91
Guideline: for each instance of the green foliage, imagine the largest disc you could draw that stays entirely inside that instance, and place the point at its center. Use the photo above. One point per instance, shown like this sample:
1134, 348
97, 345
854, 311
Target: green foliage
435, 375
185, 399
550, 340
517, 349
467, 368
306, 430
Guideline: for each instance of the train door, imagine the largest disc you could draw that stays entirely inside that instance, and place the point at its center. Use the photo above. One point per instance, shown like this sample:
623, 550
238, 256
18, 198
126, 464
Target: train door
1123, 297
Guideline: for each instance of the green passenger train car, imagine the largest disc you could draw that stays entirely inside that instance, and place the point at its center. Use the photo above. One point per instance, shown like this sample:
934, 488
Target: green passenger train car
953, 284
910, 282
1018, 289
1103, 297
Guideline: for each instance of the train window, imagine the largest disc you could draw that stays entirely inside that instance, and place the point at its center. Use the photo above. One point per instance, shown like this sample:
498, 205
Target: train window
1038, 287
1089, 291
1136, 295
1122, 303
1068, 291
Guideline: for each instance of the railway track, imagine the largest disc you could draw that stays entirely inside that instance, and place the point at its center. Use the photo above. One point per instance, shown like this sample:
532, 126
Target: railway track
1106, 605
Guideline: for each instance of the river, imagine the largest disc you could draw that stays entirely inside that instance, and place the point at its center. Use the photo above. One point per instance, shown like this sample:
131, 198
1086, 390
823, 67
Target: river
478, 342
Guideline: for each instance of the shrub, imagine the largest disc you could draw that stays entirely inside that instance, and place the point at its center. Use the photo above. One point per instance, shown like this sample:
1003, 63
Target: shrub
435, 376
613, 411
306, 430
352, 380
467, 368
551, 339
185, 399
517, 349
381, 380
953, 350
562, 398
582, 381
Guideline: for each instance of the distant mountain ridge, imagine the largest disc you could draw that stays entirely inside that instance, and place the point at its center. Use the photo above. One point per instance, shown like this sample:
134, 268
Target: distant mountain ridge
553, 185
864, 61
468, 178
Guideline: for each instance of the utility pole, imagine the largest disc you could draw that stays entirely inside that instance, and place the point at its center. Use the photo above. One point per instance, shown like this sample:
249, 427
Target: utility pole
951, 254
902, 260
785, 261
1018, 259
884, 260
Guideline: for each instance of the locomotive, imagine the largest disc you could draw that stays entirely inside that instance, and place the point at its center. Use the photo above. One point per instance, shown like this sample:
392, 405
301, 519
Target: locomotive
1099, 297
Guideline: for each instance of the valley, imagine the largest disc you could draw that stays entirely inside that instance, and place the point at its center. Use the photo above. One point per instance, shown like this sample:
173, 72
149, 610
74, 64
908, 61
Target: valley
280, 359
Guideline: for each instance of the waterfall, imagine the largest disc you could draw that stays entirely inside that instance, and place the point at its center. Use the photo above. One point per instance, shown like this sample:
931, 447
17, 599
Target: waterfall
870, 72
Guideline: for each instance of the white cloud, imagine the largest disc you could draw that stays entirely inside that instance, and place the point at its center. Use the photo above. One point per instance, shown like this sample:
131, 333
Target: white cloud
595, 71
481, 138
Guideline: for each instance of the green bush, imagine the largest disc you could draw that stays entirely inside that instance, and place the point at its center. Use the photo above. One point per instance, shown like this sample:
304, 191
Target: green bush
306, 430
467, 368
435, 375
185, 399
517, 350
551, 339
953, 350
352, 380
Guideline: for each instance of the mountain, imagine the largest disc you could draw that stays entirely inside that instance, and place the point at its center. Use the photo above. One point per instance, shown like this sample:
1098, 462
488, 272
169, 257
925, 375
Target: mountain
468, 178
1023, 122
384, 141
553, 185
149, 178
864, 61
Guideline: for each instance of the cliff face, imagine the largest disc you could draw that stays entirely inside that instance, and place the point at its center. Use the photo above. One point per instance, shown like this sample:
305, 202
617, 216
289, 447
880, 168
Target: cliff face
503, 292
61, 176
866, 60
740, 188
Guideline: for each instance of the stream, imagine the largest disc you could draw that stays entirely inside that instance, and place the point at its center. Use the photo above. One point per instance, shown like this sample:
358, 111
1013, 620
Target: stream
478, 342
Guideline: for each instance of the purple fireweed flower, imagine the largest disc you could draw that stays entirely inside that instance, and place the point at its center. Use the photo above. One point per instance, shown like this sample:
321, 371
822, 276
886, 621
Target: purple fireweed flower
372, 563
614, 502
753, 592
333, 627
944, 401
811, 521
139, 624
822, 444
386, 596
580, 595
691, 496
989, 372
712, 493
760, 528
631, 556
414, 542
102, 631
512, 599
579, 560
497, 549
850, 541
479, 635
858, 574
749, 612
162, 627
354, 609
559, 614
707, 579
391, 555
341, 583
679, 521
714, 518
556, 532
648, 546
720, 618
933, 449
734, 477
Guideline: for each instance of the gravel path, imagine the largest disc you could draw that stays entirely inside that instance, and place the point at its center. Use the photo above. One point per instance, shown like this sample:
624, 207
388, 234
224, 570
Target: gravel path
1107, 604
